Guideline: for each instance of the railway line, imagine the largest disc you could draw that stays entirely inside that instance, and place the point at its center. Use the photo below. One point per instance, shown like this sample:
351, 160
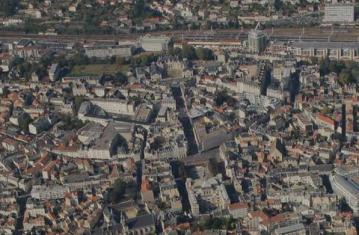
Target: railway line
279, 34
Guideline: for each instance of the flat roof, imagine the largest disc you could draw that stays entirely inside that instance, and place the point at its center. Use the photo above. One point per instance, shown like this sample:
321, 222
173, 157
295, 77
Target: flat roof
325, 45
348, 184
290, 228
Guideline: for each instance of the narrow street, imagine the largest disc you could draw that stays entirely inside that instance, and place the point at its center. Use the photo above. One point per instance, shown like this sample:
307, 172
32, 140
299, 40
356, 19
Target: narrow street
141, 162
185, 120
21, 201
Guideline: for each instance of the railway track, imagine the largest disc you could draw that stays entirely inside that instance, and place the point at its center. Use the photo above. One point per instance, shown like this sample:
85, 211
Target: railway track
311, 34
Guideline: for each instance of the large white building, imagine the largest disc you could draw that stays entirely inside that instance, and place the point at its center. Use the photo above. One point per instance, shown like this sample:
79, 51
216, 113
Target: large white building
333, 50
115, 106
207, 194
149, 43
257, 41
248, 86
109, 51
48, 192
345, 186
339, 13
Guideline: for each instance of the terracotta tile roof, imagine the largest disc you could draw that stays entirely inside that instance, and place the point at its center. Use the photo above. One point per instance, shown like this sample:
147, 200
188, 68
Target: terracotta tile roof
238, 205
145, 185
325, 119
260, 214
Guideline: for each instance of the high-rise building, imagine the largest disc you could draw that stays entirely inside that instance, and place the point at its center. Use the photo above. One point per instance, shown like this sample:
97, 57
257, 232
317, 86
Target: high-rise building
257, 41
339, 13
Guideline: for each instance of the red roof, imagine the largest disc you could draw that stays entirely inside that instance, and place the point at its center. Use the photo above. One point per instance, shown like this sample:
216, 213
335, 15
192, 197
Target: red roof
238, 205
145, 185
325, 119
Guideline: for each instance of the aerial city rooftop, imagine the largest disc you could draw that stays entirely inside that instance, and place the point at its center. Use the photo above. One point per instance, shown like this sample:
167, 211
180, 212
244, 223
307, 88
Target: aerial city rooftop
179, 117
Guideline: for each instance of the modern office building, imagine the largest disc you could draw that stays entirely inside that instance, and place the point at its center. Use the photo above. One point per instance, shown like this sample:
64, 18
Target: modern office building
339, 13
257, 41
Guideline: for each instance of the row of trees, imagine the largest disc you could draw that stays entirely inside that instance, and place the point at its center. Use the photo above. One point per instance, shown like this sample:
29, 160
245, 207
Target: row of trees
82, 59
122, 189
348, 72
118, 79
9, 7
222, 97
192, 53
187, 51
216, 223
140, 11
70, 122
25, 68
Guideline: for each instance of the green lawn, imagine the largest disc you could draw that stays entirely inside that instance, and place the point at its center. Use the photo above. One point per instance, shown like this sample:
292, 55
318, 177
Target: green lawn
98, 69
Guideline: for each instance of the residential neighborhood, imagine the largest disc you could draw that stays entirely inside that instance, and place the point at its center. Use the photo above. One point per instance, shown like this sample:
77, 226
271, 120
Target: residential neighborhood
179, 117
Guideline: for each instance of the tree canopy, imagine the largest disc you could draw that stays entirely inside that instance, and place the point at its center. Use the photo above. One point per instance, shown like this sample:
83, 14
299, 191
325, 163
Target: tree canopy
223, 97
122, 189
9, 7
348, 72
71, 123
24, 121
119, 190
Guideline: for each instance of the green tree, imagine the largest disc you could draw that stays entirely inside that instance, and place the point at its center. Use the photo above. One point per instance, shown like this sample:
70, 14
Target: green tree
314, 60
345, 77
324, 66
355, 74
303, 3
9, 7
5, 92
120, 60
24, 121
32, 26
176, 51
278, 5
158, 142
220, 223
204, 54
79, 59
232, 117
138, 9
118, 191
77, 102
188, 52
71, 123
336, 67
200, 53
136, 99
28, 98
16, 62
120, 79
25, 69
143, 60
40, 71
222, 97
